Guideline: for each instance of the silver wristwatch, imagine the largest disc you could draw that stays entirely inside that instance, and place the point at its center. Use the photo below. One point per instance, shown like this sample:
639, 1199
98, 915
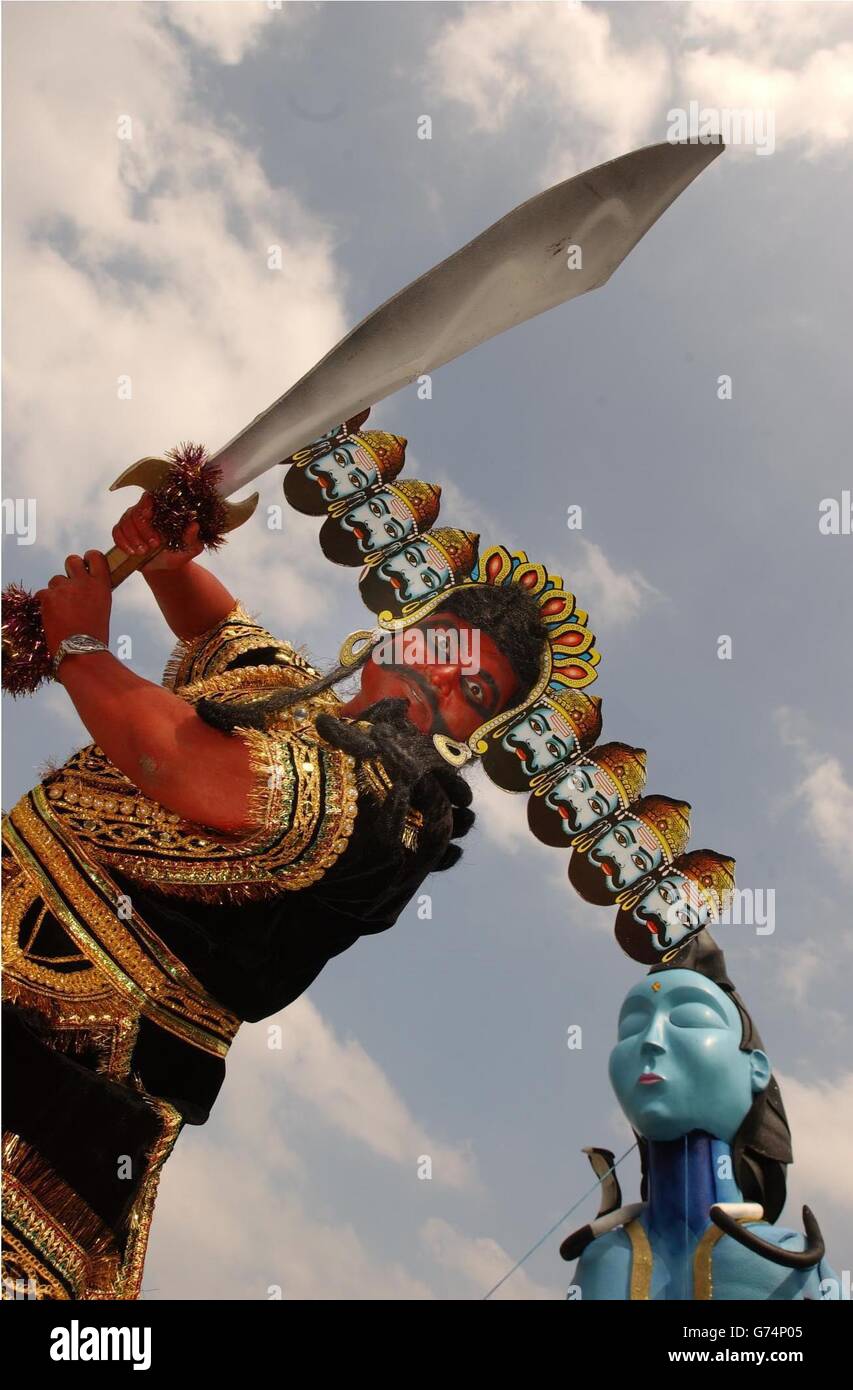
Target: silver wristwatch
74, 646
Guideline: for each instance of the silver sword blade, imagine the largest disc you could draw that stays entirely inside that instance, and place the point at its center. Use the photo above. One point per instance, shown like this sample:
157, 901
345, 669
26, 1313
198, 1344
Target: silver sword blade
513, 271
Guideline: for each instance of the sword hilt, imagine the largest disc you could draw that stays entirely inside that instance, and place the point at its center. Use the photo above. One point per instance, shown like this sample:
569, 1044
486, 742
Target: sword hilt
26, 660
148, 473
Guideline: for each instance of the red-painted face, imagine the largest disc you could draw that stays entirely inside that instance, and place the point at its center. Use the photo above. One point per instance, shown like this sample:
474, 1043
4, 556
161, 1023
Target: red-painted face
451, 685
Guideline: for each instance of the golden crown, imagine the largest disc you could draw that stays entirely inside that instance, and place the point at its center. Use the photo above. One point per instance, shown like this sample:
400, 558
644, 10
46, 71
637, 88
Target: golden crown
421, 499
713, 874
459, 548
582, 711
388, 451
625, 766
669, 822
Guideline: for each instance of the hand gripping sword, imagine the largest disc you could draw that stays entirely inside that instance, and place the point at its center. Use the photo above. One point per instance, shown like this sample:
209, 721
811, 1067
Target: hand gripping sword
552, 248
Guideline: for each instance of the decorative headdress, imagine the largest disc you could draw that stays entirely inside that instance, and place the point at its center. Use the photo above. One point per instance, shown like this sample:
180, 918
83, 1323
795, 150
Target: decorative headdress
544, 744
457, 548
710, 876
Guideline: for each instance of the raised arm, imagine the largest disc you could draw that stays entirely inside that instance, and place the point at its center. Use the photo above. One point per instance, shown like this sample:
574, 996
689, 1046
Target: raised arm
191, 599
155, 738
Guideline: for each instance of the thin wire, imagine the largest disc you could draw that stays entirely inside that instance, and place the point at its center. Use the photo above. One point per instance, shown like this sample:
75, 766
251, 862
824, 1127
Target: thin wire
557, 1224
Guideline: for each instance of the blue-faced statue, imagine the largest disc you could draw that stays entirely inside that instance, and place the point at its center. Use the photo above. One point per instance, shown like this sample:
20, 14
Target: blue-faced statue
696, 1086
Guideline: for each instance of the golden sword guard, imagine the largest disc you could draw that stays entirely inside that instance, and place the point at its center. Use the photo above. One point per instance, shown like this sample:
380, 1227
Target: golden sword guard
149, 473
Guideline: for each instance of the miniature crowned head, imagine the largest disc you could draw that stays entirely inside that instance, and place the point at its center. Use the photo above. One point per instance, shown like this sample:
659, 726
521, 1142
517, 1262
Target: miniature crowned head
342, 466
692, 893
385, 518
652, 832
597, 785
419, 568
558, 726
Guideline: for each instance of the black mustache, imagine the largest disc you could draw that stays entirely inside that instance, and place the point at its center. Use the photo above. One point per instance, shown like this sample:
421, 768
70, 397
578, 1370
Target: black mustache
424, 686
616, 875
572, 819
659, 926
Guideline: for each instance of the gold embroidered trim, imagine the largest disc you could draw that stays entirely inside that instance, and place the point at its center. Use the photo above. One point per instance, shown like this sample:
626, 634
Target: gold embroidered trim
703, 1265
304, 802
252, 683
139, 1223
642, 1261
210, 654
188, 650
126, 952
77, 1254
373, 778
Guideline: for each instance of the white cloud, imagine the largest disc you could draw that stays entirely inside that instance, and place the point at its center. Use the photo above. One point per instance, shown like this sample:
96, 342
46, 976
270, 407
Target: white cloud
246, 1184
559, 60
828, 797
482, 1262
764, 27
612, 597
811, 100
351, 1092
824, 792
821, 1120
237, 1225
502, 815
226, 30
566, 67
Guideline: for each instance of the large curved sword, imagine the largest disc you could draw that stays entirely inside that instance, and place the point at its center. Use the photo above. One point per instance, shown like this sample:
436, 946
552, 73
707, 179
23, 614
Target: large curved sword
513, 271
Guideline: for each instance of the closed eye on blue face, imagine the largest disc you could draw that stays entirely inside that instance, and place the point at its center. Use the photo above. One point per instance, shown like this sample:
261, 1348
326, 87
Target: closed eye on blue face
684, 1007
696, 1015
633, 1020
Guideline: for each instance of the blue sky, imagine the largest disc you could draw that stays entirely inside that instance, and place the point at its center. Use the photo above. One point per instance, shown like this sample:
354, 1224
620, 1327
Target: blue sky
147, 257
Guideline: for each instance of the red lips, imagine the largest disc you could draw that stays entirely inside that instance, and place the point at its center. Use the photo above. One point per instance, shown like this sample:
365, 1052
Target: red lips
648, 1078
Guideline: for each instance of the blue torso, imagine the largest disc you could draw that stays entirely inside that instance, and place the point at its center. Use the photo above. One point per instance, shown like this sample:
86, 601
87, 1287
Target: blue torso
686, 1177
